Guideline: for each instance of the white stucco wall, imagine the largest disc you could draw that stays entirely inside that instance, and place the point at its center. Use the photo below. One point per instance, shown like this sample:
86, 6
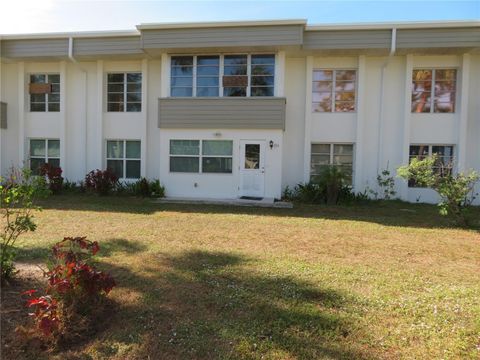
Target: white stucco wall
381, 139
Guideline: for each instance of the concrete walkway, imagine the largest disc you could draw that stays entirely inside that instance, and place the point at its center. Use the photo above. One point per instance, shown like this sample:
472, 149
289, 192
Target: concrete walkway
265, 202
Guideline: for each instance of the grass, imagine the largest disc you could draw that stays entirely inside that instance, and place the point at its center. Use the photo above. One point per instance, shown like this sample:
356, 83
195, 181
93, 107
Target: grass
378, 281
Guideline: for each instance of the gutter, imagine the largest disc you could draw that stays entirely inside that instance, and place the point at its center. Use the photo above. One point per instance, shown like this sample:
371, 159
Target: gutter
85, 72
393, 47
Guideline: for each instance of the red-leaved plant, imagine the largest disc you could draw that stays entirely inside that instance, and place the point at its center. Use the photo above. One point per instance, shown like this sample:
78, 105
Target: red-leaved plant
74, 286
101, 182
54, 177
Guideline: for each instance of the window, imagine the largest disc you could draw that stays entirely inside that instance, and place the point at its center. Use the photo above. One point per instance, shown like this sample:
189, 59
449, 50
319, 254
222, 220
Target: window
434, 90
43, 151
262, 75
222, 75
124, 158
124, 92
325, 155
50, 100
444, 153
215, 156
334, 90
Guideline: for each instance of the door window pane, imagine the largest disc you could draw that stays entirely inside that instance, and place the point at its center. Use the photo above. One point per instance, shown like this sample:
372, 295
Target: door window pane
252, 156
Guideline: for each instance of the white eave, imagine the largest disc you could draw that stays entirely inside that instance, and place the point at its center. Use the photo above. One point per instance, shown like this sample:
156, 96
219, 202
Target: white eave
396, 25
158, 26
65, 35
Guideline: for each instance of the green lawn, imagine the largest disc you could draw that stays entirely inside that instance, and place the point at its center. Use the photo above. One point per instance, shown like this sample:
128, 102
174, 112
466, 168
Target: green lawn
379, 281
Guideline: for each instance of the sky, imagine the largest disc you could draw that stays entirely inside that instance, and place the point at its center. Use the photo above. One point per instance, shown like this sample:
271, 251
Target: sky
34, 16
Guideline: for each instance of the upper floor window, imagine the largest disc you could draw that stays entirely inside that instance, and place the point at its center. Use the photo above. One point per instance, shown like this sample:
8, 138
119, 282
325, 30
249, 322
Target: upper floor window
123, 158
444, 157
44, 92
324, 156
124, 92
334, 90
434, 90
222, 75
43, 151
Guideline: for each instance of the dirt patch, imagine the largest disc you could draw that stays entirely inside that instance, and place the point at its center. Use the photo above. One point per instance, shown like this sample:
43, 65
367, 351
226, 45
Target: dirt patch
13, 312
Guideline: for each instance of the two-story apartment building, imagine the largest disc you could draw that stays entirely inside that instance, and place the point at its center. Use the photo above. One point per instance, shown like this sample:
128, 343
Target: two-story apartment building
232, 109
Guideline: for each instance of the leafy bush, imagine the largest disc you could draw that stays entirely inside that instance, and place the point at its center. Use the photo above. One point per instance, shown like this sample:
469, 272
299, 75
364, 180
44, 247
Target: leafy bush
141, 187
332, 180
75, 290
101, 182
328, 188
53, 176
456, 190
386, 185
156, 189
18, 194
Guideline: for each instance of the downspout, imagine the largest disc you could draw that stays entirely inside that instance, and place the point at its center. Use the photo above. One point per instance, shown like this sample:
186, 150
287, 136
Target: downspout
393, 46
77, 64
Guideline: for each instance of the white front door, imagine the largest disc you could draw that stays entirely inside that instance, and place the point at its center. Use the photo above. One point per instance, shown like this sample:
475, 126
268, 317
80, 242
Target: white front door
252, 168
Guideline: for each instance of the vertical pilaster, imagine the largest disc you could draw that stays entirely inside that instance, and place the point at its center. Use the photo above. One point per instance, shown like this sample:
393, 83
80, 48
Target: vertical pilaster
100, 143
164, 92
359, 143
407, 117
143, 162
63, 117
308, 118
463, 125
21, 114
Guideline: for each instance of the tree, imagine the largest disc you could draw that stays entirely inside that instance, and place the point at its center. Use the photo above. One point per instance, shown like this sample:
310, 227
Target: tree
18, 194
456, 190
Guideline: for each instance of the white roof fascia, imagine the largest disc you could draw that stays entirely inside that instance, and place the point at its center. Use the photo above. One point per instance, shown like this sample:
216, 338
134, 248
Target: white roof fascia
398, 25
158, 26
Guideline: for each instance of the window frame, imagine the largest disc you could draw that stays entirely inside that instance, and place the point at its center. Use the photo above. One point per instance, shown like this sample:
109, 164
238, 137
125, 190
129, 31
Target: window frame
45, 157
432, 94
59, 102
221, 74
200, 157
430, 153
125, 91
331, 157
334, 81
124, 158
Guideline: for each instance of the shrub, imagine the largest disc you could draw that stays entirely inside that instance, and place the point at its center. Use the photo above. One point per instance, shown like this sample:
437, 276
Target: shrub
332, 180
328, 188
142, 188
101, 182
18, 194
75, 289
156, 189
53, 176
455, 190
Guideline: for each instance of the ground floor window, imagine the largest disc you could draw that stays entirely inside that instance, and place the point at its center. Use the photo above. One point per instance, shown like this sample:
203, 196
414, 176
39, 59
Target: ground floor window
325, 155
124, 158
201, 156
43, 151
444, 154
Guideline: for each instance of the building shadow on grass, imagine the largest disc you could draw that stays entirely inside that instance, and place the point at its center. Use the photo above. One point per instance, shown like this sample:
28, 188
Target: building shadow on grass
213, 305
390, 213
